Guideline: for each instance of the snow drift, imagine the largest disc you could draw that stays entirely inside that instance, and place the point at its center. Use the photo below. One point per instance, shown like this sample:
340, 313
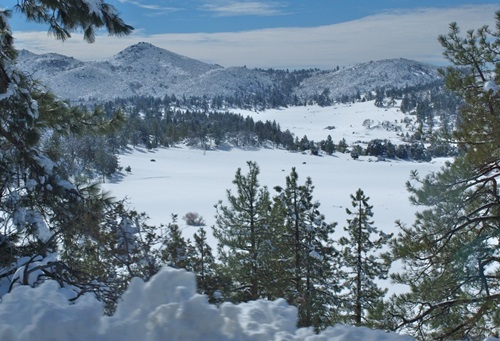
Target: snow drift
165, 308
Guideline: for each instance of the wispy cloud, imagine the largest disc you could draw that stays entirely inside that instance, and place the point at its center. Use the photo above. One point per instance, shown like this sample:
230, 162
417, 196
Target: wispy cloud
411, 34
238, 8
157, 9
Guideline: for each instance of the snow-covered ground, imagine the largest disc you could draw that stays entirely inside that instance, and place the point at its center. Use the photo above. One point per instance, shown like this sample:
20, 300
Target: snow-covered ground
182, 180
165, 308
340, 121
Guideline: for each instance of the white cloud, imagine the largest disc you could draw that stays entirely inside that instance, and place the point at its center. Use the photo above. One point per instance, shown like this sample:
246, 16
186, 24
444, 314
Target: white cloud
156, 8
408, 34
237, 8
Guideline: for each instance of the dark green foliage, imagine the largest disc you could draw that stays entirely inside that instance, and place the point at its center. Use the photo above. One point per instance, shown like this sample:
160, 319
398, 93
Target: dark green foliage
450, 255
242, 231
55, 222
328, 146
209, 281
477, 82
361, 264
342, 146
74, 15
177, 251
152, 123
306, 252
118, 246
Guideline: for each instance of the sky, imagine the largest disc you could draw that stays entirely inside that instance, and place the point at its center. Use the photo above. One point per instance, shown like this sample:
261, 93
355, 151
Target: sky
292, 34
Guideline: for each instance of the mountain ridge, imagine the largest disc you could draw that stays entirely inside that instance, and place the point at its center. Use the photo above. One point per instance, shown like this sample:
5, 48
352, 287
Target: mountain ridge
144, 69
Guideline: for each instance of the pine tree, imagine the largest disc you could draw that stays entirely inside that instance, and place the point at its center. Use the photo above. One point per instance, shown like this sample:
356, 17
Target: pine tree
178, 251
203, 262
47, 212
328, 146
362, 267
342, 146
450, 255
210, 280
241, 230
306, 252
116, 249
477, 81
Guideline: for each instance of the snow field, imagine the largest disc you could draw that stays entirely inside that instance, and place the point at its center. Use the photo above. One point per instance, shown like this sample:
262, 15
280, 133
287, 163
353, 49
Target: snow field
183, 179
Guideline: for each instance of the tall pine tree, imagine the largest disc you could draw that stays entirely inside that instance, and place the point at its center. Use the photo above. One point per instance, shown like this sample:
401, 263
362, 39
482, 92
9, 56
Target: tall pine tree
450, 255
306, 252
241, 230
362, 266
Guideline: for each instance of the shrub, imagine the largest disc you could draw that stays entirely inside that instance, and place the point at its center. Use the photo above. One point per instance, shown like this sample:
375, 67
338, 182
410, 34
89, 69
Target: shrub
194, 219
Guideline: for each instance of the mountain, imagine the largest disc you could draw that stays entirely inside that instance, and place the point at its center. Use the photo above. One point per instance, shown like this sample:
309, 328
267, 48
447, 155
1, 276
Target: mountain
361, 78
146, 70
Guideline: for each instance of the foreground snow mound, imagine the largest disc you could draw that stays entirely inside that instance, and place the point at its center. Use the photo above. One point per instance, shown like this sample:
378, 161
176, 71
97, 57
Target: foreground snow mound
165, 308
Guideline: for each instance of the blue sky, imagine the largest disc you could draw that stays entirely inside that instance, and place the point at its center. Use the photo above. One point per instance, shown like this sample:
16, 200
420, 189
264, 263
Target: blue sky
174, 16
278, 33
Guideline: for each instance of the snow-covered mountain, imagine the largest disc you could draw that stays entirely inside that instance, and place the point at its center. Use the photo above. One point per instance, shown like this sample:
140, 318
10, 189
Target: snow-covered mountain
144, 69
365, 77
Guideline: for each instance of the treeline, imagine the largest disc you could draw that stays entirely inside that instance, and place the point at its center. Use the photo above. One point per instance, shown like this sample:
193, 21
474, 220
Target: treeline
161, 126
283, 94
163, 122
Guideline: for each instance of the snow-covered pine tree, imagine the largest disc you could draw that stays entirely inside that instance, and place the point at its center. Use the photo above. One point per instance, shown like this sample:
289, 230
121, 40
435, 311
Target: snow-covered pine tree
306, 253
242, 229
108, 254
43, 209
361, 265
177, 251
450, 255
203, 264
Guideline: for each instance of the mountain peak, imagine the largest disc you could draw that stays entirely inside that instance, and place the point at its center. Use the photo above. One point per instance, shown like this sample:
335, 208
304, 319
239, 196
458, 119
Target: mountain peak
145, 54
142, 47
143, 50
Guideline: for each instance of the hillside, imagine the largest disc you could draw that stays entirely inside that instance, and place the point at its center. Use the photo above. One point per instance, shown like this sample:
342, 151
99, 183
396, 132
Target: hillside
146, 70
362, 78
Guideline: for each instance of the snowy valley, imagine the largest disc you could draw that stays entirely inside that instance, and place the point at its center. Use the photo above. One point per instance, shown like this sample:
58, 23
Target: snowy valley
394, 103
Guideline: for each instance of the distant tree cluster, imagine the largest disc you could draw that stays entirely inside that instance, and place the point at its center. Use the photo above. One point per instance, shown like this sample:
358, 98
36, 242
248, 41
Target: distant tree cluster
416, 150
153, 123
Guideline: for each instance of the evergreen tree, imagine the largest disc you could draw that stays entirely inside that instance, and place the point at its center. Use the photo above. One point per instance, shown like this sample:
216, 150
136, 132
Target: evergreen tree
63, 19
47, 214
328, 146
450, 254
361, 266
307, 253
241, 230
178, 251
477, 81
342, 146
379, 98
106, 257
204, 266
